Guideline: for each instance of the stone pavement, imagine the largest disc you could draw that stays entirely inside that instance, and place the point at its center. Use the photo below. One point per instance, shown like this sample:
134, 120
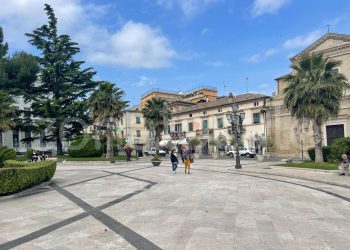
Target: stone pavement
133, 205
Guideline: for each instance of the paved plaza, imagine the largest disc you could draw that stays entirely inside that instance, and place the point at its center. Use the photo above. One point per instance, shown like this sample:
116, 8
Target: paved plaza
136, 206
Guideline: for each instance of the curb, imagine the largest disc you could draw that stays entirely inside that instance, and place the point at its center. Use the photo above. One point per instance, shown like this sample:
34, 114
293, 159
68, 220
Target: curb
343, 185
24, 192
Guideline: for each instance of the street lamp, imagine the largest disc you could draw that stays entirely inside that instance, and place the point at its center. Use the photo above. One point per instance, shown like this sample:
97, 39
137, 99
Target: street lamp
236, 121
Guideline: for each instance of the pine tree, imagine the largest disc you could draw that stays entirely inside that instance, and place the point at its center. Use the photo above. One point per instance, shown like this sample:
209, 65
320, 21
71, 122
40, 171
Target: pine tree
6, 111
64, 85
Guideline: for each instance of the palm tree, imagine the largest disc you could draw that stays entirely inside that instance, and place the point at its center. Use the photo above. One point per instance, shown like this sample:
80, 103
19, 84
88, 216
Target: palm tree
6, 111
156, 115
314, 93
106, 105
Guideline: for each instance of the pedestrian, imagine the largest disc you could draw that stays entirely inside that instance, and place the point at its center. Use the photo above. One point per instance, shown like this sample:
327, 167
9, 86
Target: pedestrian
174, 161
128, 151
344, 164
187, 164
182, 154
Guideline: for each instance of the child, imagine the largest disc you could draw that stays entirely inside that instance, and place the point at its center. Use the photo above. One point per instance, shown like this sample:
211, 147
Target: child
187, 164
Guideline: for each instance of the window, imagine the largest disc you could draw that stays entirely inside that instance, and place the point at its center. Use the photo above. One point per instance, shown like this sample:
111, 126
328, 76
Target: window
190, 115
204, 112
138, 133
220, 110
220, 123
27, 135
1, 143
190, 126
205, 127
178, 127
138, 120
15, 138
256, 104
256, 118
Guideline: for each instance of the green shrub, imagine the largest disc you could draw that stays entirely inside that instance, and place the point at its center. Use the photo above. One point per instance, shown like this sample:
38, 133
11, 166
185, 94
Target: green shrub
85, 146
17, 176
326, 151
29, 153
340, 146
6, 154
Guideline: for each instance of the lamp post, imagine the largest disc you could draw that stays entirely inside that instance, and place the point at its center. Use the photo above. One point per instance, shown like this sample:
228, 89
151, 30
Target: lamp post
236, 118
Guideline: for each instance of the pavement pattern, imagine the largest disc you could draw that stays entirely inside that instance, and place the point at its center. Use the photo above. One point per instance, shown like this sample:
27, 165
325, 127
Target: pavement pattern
136, 206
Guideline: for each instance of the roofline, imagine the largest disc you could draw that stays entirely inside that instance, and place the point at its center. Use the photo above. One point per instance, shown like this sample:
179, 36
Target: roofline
324, 37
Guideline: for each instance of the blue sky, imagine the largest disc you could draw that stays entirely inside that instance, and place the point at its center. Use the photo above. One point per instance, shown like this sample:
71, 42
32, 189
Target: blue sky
181, 44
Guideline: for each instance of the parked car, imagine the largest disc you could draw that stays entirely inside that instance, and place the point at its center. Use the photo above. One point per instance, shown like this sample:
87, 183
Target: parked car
153, 152
249, 153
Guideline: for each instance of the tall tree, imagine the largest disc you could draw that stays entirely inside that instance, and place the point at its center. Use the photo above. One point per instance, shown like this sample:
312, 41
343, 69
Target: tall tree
314, 91
64, 85
106, 105
6, 110
156, 114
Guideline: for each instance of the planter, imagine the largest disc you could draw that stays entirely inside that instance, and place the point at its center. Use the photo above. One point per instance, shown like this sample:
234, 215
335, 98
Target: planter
260, 157
156, 163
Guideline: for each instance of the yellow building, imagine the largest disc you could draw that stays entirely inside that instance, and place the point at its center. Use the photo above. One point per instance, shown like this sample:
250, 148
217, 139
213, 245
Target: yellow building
288, 136
133, 129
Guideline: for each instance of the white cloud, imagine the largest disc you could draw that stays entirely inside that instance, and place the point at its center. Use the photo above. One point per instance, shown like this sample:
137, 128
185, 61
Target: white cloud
261, 7
144, 81
302, 41
216, 64
259, 57
188, 7
136, 45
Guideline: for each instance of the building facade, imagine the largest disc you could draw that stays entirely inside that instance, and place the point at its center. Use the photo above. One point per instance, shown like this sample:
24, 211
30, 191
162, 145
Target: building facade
14, 138
292, 138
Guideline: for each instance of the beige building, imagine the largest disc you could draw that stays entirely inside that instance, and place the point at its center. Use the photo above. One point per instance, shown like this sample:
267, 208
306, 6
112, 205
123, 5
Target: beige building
206, 121
288, 136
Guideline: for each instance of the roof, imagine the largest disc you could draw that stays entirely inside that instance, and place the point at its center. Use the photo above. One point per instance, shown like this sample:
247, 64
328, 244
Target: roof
335, 36
283, 76
223, 101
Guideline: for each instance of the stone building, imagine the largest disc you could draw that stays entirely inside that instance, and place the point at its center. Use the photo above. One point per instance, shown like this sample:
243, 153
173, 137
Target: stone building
288, 136
206, 121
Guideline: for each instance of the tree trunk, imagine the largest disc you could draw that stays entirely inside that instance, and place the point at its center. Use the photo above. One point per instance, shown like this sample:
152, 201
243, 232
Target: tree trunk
318, 143
59, 144
109, 151
157, 135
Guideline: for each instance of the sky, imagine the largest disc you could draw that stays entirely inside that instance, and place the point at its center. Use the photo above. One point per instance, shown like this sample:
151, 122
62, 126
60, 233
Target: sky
236, 46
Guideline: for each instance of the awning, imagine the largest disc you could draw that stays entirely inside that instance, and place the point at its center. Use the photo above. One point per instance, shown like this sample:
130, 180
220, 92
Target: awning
163, 143
183, 142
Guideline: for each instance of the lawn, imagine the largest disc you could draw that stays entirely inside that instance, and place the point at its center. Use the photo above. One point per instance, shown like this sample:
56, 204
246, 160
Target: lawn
116, 158
312, 165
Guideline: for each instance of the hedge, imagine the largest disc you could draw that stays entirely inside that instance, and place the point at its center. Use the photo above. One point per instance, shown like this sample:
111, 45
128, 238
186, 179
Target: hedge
6, 154
340, 146
17, 176
85, 146
326, 151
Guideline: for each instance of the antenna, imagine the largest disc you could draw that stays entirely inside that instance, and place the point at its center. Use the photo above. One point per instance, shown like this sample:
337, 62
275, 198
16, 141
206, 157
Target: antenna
328, 27
224, 88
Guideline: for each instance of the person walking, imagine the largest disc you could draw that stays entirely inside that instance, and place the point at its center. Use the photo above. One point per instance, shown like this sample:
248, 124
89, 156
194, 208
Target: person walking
174, 161
187, 164
344, 164
128, 151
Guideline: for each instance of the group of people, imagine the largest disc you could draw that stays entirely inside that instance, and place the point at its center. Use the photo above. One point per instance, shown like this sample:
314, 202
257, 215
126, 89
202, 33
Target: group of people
186, 159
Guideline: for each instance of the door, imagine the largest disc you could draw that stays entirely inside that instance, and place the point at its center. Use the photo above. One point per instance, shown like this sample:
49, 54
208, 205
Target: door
334, 132
205, 147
